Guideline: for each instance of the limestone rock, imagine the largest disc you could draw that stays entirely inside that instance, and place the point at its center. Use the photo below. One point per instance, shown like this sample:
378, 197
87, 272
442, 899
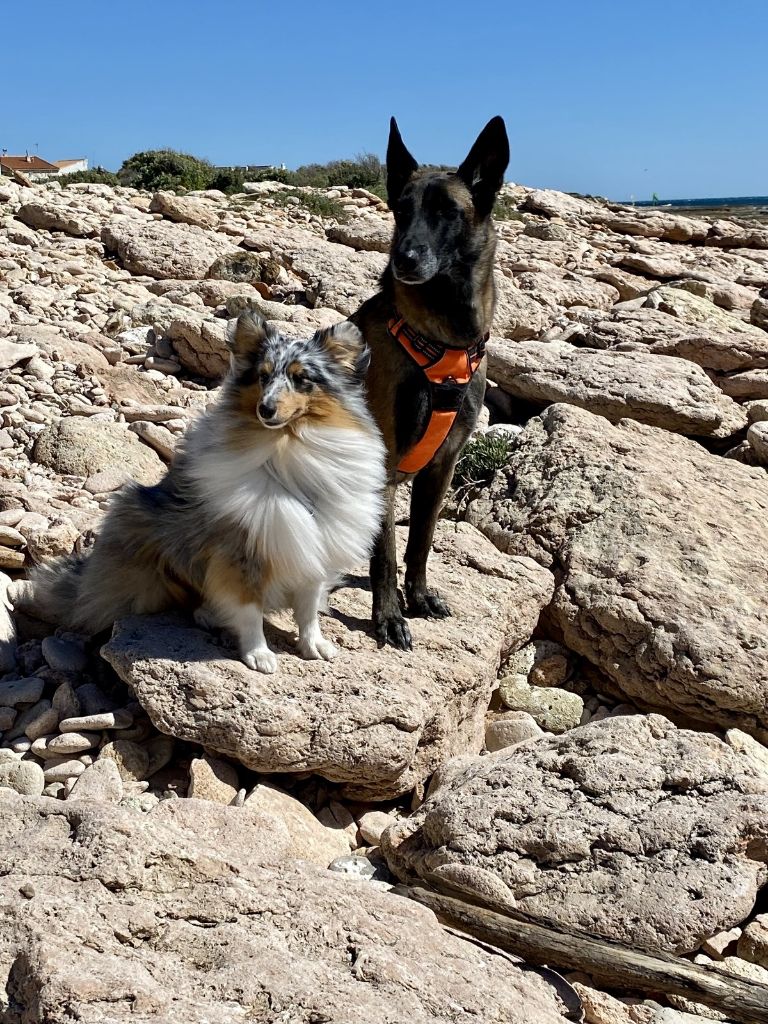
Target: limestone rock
665, 392
310, 840
372, 233
81, 447
170, 917
627, 828
753, 943
552, 709
184, 210
164, 250
52, 216
380, 721
662, 551
13, 353
101, 782
212, 779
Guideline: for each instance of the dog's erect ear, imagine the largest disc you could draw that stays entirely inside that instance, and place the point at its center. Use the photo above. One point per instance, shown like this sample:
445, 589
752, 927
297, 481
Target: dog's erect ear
247, 334
400, 164
345, 345
483, 170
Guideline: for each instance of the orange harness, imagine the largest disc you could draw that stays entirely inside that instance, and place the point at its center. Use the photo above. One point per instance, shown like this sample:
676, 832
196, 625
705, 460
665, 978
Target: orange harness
449, 372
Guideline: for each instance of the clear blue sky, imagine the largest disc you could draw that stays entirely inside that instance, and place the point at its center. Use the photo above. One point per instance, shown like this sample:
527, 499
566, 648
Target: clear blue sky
603, 96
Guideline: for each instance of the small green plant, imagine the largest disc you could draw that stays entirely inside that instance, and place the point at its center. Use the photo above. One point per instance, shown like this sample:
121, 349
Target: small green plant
481, 458
506, 209
315, 202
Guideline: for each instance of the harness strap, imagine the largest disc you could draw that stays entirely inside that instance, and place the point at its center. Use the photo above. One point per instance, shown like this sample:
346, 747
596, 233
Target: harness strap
449, 372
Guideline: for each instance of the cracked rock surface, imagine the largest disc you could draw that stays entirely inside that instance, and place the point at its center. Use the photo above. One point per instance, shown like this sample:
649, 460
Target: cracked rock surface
626, 828
660, 551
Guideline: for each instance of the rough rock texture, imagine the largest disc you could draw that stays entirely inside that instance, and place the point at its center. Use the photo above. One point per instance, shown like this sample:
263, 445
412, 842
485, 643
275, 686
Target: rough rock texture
378, 720
661, 553
161, 249
80, 447
627, 828
122, 917
665, 392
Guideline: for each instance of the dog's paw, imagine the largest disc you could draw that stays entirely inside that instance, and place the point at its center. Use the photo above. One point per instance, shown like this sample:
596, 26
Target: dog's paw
392, 629
427, 604
314, 650
261, 660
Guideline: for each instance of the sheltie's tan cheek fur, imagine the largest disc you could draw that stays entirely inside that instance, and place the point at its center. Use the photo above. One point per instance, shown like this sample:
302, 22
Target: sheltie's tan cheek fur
290, 405
326, 409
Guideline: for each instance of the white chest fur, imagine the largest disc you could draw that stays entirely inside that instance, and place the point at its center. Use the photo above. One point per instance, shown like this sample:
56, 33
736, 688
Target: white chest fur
309, 505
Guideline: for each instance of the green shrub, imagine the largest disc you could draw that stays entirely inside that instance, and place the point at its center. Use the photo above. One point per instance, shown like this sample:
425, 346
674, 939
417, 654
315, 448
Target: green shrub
365, 171
315, 202
166, 169
481, 458
96, 176
506, 209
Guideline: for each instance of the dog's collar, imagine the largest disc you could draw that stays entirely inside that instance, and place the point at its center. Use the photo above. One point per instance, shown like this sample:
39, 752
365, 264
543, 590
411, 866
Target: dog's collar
449, 372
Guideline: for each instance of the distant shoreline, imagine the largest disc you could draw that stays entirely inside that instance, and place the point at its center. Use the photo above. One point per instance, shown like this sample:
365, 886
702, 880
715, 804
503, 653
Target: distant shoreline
752, 207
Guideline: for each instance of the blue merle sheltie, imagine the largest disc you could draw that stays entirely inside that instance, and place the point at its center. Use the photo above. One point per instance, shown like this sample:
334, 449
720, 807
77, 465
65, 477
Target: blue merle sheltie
275, 493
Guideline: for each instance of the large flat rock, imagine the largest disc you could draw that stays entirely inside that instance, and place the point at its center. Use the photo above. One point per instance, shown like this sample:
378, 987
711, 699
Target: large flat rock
666, 392
107, 915
379, 721
661, 556
163, 249
626, 828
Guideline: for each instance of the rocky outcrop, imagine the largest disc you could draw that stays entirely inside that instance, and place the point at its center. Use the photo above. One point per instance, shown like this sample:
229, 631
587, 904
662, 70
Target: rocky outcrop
671, 393
627, 828
378, 721
660, 551
112, 915
81, 448
162, 250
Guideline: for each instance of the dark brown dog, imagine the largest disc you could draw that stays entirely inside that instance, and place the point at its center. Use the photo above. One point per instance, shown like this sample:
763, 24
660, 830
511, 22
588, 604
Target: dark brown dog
439, 282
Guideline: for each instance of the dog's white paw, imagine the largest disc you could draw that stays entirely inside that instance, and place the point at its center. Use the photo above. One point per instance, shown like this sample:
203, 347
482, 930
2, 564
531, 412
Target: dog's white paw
261, 660
313, 650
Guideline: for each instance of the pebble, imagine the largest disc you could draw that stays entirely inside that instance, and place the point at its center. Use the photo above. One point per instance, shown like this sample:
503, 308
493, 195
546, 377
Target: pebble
107, 480
65, 701
27, 890
361, 866
213, 779
63, 770
21, 691
753, 943
160, 750
53, 789
717, 945
106, 720
509, 729
26, 777
10, 558
11, 537
131, 759
71, 743
99, 782
371, 824
552, 709
42, 720
64, 655
21, 745
92, 700
7, 718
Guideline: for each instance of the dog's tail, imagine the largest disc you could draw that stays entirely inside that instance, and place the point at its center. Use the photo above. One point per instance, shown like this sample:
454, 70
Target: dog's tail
59, 592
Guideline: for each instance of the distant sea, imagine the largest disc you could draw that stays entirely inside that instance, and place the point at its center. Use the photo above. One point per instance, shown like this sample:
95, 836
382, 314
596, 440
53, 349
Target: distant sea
753, 207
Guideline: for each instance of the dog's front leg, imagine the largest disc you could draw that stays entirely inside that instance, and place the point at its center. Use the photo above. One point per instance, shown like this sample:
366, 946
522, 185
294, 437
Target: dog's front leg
429, 489
389, 625
306, 605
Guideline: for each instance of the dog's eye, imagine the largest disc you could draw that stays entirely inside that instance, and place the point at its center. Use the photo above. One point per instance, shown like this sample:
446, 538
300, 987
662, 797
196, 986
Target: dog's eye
301, 382
263, 377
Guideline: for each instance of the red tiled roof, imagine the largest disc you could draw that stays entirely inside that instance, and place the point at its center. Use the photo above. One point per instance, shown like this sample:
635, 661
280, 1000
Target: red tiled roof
25, 164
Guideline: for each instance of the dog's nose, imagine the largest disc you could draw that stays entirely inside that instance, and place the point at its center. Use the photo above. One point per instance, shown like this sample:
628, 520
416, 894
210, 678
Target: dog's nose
407, 262
266, 411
